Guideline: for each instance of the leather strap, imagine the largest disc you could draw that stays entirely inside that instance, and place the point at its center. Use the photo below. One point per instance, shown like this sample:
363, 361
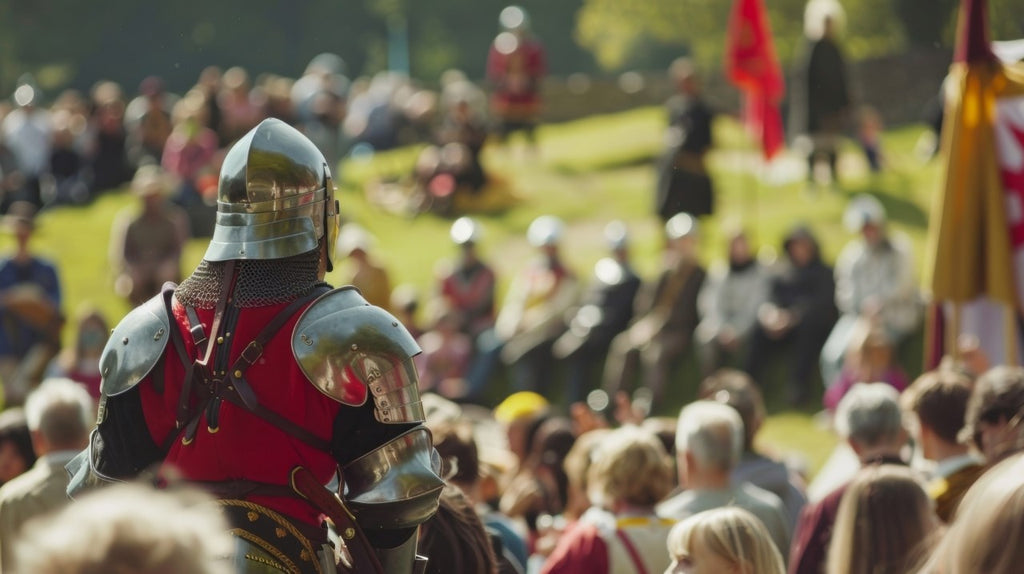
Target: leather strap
632, 551
363, 556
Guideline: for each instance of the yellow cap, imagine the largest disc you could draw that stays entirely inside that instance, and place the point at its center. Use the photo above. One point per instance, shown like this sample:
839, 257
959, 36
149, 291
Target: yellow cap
525, 404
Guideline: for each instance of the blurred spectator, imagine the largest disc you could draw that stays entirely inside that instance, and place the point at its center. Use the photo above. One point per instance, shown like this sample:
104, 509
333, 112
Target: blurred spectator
109, 156
27, 132
869, 136
189, 149
532, 315
630, 473
323, 127
468, 284
799, 314
874, 281
456, 445
984, 533
209, 85
454, 539
935, 406
821, 93
240, 109
372, 280
16, 453
885, 523
461, 127
728, 539
67, 178
10, 174
146, 247
60, 414
683, 182
129, 528
709, 445
869, 420
605, 311
373, 116
446, 354
148, 122
665, 316
325, 72
728, 305
81, 361
577, 470
515, 69
994, 411
540, 486
738, 390
405, 304
30, 309
870, 358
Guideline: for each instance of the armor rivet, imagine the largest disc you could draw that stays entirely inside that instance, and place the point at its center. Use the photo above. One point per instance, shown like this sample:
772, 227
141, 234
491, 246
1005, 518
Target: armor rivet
220, 340
159, 334
106, 371
349, 533
241, 251
186, 441
394, 323
227, 335
212, 430
279, 532
355, 347
253, 517
124, 341
238, 374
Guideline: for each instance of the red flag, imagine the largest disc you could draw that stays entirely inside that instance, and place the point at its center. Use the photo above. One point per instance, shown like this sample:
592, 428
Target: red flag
753, 67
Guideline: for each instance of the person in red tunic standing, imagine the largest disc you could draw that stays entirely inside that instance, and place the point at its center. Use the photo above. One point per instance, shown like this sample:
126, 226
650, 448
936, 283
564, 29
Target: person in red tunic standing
515, 68
257, 381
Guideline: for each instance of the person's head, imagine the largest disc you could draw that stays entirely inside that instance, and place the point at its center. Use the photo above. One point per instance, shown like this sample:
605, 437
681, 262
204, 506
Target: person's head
521, 413
682, 232
577, 469
630, 469
994, 411
275, 199
545, 233
151, 185
616, 235
684, 76
60, 414
728, 540
129, 528
709, 443
466, 234
735, 388
937, 403
987, 525
20, 220
868, 417
740, 251
801, 247
454, 539
16, 452
885, 523
866, 215
455, 444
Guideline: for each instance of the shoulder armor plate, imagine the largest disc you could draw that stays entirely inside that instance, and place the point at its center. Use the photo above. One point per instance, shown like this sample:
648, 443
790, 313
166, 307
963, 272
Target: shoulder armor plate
135, 346
349, 349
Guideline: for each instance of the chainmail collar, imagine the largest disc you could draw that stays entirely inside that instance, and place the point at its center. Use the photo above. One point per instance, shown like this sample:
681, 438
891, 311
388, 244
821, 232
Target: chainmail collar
260, 282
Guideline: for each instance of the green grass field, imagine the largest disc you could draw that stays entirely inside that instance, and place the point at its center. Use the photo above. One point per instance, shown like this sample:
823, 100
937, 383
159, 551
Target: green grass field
587, 172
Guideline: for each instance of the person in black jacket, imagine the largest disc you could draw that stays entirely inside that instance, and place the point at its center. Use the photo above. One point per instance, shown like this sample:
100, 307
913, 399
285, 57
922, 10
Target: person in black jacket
799, 314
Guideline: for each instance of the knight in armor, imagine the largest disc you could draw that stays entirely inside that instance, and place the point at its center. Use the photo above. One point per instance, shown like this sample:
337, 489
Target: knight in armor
255, 380
605, 311
515, 68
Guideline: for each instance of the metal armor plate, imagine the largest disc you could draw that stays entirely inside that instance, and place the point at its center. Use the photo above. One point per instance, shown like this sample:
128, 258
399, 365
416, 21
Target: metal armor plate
135, 346
350, 350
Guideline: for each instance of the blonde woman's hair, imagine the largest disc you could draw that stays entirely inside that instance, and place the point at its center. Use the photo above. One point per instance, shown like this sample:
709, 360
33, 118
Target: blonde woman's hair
731, 533
885, 523
987, 527
631, 465
129, 528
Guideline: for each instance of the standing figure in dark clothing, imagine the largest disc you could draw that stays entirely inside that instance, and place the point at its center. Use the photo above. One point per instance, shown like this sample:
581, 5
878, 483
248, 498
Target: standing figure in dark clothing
666, 316
799, 313
515, 68
605, 311
683, 181
821, 96
109, 159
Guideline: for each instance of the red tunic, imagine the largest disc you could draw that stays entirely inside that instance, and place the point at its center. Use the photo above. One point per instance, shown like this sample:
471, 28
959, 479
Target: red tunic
244, 447
516, 75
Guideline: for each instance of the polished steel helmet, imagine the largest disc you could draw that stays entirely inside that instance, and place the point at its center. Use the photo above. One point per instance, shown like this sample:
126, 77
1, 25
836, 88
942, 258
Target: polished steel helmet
275, 199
